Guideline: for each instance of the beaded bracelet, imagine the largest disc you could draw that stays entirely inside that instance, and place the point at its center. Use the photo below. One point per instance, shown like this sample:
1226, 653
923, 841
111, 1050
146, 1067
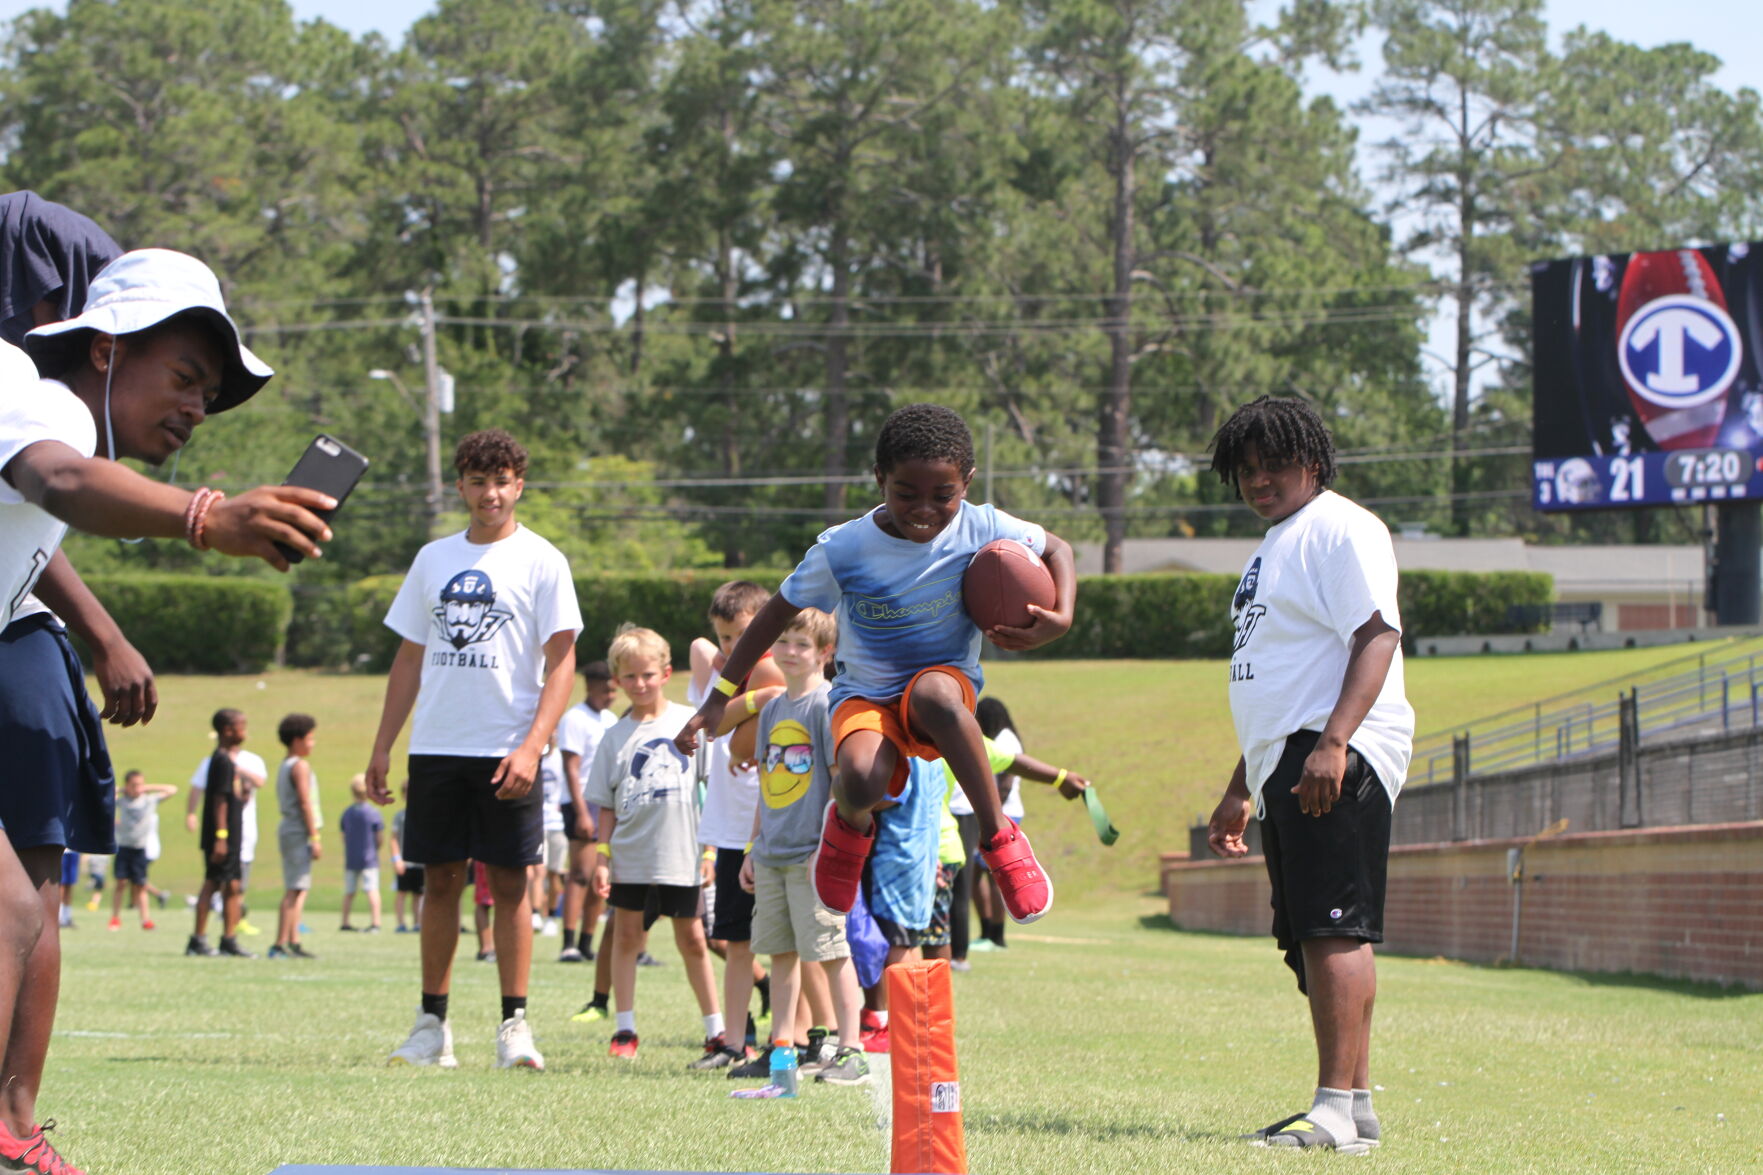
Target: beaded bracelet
190, 509
197, 526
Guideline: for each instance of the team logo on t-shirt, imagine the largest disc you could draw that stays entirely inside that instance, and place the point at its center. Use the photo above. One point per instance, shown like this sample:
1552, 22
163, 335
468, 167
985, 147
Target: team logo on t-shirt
1245, 612
658, 775
788, 766
468, 614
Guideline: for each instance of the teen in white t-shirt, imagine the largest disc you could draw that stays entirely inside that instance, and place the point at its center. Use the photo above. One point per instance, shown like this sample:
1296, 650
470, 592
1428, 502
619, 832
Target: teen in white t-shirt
1326, 734
488, 619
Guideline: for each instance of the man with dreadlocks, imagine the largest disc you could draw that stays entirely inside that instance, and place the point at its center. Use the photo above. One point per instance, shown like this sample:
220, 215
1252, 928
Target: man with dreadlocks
1326, 734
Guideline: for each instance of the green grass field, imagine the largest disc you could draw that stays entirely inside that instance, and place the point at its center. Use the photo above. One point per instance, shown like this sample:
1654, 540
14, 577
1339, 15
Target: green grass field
1155, 735
1104, 1043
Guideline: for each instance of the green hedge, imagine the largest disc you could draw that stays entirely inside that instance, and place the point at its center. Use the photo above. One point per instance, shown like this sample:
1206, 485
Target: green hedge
1464, 603
198, 623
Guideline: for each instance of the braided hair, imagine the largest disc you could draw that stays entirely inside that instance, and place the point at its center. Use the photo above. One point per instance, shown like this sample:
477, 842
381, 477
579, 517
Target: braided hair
1282, 430
924, 432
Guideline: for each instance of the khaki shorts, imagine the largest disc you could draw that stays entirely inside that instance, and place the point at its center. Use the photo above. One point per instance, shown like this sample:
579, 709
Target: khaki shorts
556, 851
788, 917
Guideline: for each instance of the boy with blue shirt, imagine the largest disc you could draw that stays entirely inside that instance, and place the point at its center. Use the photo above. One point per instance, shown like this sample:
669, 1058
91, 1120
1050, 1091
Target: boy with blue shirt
908, 666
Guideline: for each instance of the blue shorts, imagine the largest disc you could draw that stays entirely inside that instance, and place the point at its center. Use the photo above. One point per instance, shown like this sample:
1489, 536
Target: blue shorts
70, 868
57, 788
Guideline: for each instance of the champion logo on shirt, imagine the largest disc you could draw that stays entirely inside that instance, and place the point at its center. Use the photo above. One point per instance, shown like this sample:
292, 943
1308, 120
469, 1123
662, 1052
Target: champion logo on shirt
468, 614
890, 611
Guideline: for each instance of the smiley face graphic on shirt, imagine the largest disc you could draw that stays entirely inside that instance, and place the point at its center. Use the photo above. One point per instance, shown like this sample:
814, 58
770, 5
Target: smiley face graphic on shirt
787, 767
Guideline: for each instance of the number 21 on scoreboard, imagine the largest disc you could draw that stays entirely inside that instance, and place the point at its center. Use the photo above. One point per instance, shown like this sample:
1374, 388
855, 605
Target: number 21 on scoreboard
1628, 479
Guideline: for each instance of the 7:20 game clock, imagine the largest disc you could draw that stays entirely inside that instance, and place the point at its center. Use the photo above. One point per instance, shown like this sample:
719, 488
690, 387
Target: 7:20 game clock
1647, 387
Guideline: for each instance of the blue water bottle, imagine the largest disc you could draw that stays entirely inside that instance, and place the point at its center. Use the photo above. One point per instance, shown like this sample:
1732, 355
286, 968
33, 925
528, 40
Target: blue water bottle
783, 1068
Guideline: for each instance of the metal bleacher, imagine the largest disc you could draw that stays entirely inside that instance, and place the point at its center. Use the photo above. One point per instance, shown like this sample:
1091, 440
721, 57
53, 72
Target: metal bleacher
1716, 690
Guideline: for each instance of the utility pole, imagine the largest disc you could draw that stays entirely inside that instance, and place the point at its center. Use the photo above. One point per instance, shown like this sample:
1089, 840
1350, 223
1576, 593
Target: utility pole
431, 413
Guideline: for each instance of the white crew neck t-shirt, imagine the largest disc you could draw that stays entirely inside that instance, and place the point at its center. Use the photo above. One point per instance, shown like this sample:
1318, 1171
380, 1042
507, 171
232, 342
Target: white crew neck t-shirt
1317, 576
731, 793
482, 612
32, 410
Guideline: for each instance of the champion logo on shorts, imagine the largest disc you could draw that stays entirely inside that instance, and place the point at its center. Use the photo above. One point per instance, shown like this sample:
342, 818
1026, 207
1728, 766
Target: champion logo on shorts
1335, 913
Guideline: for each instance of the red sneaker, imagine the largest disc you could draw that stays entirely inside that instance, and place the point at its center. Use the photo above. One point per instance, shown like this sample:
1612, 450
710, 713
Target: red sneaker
33, 1155
1022, 883
874, 1033
116, 924
838, 863
149, 924
624, 1044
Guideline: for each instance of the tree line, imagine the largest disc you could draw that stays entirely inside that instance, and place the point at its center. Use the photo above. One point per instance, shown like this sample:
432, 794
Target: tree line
692, 251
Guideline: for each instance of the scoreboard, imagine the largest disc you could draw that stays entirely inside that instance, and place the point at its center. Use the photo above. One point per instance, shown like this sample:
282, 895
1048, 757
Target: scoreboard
1647, 387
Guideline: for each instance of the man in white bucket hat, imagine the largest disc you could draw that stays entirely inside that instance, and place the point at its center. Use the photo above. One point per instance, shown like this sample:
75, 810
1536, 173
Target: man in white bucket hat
150, 356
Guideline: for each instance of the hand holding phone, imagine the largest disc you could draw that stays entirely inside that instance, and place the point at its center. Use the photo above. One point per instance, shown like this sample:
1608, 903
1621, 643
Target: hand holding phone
330, 467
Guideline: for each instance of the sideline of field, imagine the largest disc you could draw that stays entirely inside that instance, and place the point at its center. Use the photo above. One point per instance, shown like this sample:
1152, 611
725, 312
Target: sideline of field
1156, 735
1137, 1049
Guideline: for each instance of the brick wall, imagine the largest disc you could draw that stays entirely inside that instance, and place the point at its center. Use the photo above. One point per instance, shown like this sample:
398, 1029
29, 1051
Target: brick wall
1684, 903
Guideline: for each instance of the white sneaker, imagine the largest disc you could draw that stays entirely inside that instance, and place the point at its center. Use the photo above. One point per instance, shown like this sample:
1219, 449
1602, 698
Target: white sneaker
514, 1045
538, 920
430, 1043
549, 929
571, 955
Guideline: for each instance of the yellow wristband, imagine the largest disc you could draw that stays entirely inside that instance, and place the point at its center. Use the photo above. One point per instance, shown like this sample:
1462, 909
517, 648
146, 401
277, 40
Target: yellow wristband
604, 849
752, 702
749, 847
221, 834
710, 854
1059, 778
724, 686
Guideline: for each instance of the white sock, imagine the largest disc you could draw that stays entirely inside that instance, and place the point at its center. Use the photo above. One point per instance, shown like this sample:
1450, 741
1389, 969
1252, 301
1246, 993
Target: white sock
1364, 1117
627, 1021
713, 1024
882, 1018
1333, 1111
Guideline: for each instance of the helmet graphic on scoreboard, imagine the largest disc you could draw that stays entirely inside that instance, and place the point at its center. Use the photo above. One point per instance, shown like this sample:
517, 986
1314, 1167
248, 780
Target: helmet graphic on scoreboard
1678, 348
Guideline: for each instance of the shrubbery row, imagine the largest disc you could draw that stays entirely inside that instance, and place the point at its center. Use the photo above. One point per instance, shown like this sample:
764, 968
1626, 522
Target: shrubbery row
201, 624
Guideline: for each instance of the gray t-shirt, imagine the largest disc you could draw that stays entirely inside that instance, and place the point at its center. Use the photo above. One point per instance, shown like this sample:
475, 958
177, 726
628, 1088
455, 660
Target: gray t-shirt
795, 747
137, 822
288, 800
647, 783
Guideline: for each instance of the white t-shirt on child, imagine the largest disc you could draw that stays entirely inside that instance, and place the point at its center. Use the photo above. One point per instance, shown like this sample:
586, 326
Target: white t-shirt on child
1317, 576
730, 794
647, 783
482, 612
32, 410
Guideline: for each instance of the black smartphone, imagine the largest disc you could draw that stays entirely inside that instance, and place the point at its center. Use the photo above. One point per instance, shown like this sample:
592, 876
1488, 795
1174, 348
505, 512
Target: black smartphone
330, 467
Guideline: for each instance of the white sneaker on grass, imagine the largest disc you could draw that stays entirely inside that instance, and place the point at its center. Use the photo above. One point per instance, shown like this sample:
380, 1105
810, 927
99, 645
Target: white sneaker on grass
430, 1043
514, 1044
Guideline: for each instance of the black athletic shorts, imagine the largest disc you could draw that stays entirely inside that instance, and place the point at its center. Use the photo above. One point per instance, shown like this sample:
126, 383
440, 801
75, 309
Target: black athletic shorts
656, 901
131, 865
228, 868
453, 814
567, 810
410, 881
733, 906
1328, 872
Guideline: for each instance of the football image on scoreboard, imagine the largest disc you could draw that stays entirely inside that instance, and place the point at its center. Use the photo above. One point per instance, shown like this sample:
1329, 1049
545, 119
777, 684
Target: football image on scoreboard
1647, 387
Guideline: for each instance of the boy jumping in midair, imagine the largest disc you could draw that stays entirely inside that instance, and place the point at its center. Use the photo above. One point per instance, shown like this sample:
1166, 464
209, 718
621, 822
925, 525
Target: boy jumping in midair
908, 652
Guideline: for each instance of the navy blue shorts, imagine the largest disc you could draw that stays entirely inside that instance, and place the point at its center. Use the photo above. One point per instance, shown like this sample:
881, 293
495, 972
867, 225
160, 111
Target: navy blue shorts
70, 868
57, 788
131, 865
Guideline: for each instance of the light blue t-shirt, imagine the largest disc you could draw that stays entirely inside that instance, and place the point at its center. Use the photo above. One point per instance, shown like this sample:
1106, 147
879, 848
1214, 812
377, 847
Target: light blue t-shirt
903, 860
898, 602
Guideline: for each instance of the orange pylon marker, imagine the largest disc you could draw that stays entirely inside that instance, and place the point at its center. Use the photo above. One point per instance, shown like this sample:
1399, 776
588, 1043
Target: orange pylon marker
927, 1086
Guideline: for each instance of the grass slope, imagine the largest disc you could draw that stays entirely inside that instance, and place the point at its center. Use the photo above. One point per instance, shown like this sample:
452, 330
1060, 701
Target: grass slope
1155, 735
1102, 1043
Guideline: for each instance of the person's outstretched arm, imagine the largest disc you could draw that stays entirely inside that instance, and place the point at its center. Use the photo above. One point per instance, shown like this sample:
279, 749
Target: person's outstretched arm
124, 677
402, 684
767, 625
1071, 785
111, 500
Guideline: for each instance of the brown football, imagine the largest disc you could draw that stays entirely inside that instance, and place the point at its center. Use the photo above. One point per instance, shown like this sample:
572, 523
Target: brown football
1003, 579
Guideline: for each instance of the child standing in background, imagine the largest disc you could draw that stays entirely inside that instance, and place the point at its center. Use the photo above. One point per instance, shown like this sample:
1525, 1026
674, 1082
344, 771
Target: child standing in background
362, 832
296, 793
137, 840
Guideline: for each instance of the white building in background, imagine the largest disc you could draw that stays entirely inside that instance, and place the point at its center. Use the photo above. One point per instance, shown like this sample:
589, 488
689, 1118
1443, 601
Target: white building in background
1635, 588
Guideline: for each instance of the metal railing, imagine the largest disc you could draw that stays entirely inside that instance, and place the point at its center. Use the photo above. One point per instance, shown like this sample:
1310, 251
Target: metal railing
1715, 690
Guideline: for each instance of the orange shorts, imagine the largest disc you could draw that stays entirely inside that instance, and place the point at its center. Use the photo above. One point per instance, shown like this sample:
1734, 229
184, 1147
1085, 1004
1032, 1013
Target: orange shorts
891, 720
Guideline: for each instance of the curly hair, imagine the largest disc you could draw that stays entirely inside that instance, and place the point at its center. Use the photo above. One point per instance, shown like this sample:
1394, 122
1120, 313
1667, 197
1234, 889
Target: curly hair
295, 726
489, 451
1282, 429
925, 432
